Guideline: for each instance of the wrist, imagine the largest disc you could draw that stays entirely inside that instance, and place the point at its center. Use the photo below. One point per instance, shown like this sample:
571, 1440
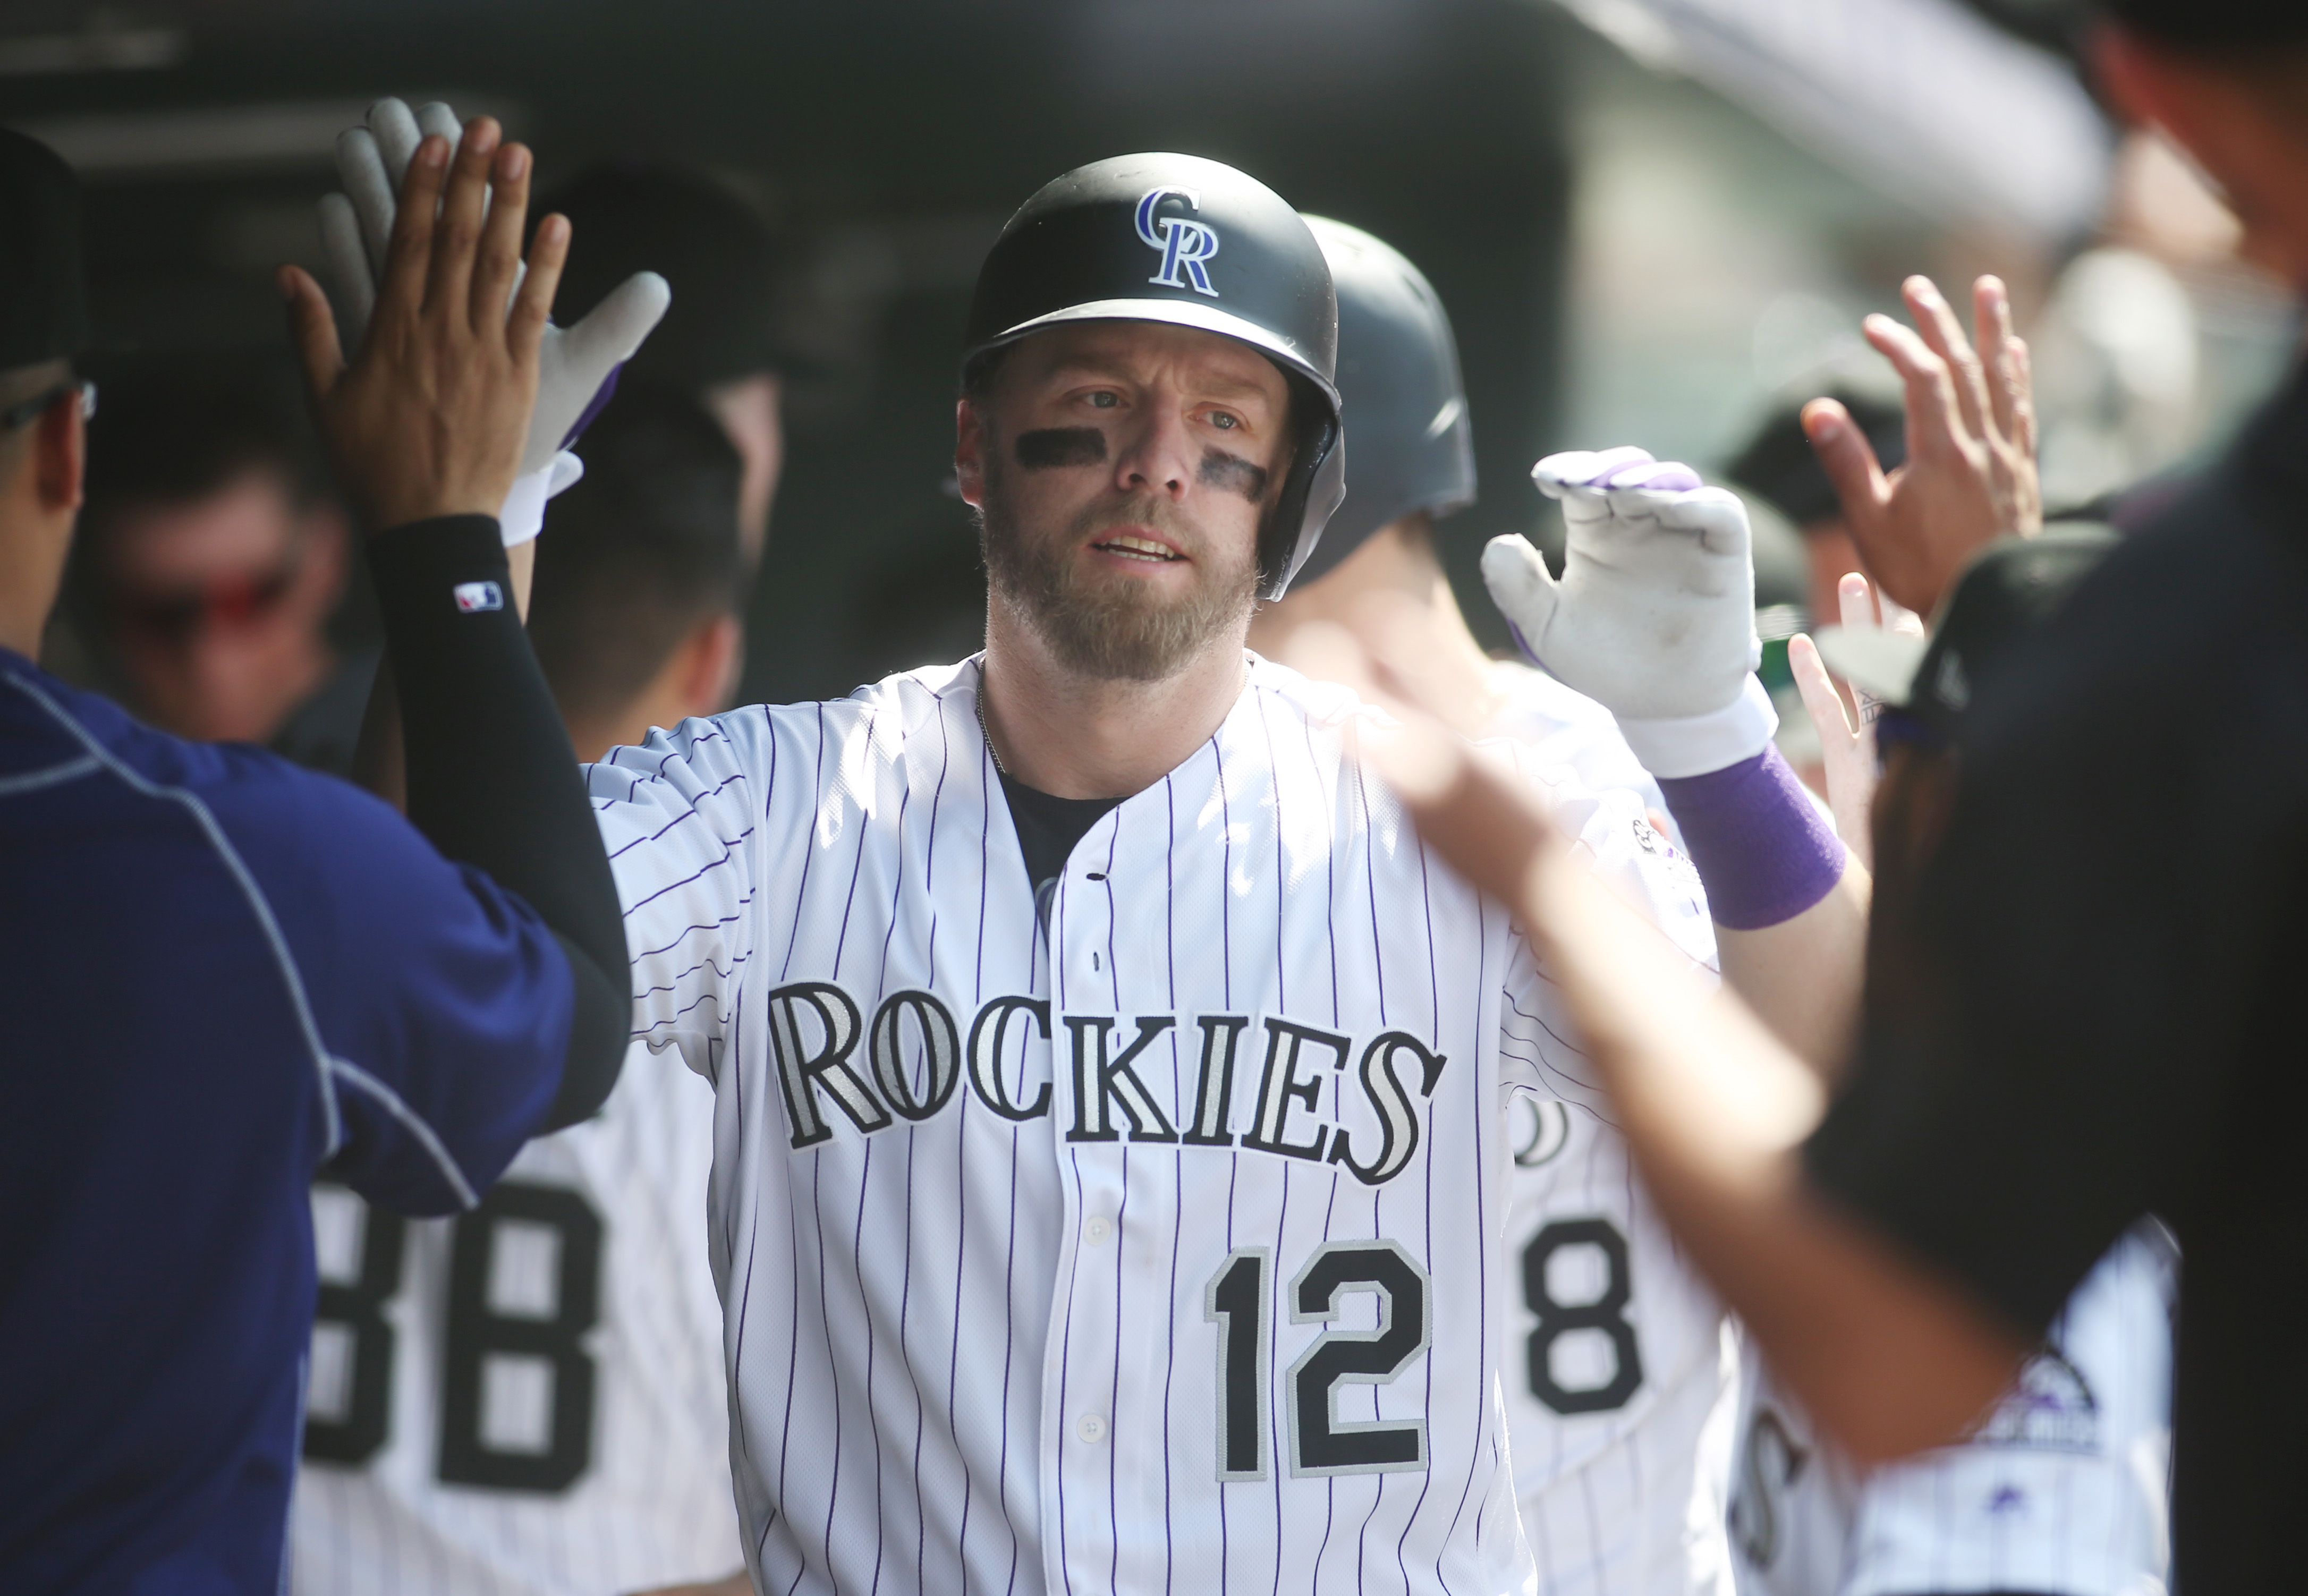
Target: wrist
1761, 848
1693, 745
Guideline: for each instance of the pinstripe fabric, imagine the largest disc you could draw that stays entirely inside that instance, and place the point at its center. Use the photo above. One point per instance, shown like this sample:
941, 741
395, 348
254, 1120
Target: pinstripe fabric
968, 1329
2066, 1491
653, 1507
1625, 1497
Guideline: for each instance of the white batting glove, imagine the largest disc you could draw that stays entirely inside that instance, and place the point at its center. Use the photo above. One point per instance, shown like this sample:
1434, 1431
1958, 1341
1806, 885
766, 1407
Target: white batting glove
1654, 615
577, 367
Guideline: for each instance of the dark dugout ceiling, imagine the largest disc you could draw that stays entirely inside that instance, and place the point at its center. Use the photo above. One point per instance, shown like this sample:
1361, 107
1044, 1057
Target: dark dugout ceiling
891, 139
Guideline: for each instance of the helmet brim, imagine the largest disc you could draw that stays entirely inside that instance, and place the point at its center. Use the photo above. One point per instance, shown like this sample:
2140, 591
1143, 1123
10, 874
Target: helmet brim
1202, 319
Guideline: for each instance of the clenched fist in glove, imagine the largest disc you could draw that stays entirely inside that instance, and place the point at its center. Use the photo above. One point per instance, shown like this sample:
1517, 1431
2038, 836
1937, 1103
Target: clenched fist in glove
1655, 615
577, 365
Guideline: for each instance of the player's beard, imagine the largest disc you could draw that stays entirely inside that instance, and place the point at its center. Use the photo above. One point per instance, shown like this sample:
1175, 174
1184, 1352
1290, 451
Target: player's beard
1116, 629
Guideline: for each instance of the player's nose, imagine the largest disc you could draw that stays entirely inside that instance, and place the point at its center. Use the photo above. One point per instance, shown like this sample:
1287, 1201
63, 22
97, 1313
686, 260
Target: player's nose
1156, 453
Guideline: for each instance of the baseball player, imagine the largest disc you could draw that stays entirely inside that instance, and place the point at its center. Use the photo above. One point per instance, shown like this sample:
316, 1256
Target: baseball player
221, 972
2061, 1490
527, 1398
1107, 1187
1620, 1386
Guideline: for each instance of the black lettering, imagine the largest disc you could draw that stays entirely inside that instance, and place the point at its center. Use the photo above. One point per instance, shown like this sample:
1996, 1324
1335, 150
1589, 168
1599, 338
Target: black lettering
354, 1436
802, 1073
478, 1332
987, 1033
1214, 1084
1098, 1079
1397, 1116
1278, 1085
940, 1066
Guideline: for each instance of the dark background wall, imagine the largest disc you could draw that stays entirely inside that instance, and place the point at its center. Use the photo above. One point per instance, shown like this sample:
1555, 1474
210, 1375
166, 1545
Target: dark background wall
891, 138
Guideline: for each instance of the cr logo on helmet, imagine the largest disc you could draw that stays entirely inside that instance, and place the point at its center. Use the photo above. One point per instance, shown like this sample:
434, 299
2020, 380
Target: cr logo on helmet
1184, 245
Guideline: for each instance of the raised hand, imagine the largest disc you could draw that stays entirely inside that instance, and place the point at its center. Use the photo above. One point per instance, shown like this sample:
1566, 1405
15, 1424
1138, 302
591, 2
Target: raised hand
577, 367
431, 414
1847, 750
1970, 473
1655, 615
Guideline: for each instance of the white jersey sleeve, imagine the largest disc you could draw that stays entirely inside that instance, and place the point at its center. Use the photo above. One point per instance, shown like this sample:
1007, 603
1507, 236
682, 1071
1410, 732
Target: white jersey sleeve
1620, 1392
2062, 1490
526, 1399
681, 817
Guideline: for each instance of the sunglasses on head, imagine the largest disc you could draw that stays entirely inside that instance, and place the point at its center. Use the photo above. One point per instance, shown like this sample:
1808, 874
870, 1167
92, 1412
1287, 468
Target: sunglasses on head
31, 409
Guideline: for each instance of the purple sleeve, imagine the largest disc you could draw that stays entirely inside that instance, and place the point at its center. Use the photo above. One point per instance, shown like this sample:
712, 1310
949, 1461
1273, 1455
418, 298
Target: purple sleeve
1763, 850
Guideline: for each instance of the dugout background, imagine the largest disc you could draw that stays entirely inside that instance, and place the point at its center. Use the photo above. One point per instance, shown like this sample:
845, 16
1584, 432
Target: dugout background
893, 138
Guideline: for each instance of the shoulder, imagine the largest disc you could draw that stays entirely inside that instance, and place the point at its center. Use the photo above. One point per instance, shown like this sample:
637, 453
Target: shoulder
1324, 706
266, 806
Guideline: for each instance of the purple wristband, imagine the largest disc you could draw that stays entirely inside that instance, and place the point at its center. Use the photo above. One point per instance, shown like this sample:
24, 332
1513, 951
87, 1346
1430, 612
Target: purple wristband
1763, 851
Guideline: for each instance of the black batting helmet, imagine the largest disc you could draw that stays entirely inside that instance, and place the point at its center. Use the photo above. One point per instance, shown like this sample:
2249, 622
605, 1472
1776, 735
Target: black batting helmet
1178, 239
1398, 377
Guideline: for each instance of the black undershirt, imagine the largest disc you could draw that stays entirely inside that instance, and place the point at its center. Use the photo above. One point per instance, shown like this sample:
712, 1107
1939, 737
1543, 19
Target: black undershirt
1049, 827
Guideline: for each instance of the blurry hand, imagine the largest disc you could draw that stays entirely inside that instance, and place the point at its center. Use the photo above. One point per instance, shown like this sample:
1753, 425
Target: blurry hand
431, 417
1848, 750
577, 368
1655, 615
1970, 473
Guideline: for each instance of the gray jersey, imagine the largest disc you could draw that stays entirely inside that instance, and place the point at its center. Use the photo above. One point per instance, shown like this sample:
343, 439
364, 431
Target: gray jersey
1153, 1242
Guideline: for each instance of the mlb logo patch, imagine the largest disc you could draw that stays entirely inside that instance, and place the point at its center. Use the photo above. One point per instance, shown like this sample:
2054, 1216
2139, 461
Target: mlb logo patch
473, 597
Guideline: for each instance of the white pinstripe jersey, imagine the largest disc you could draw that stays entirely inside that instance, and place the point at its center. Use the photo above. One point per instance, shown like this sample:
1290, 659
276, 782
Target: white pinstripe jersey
2064, 1488
1159, 1251
527, 1399
1622, 1386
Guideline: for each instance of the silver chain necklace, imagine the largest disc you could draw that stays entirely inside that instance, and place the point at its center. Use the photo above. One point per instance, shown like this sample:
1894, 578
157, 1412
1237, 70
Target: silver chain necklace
1000, 769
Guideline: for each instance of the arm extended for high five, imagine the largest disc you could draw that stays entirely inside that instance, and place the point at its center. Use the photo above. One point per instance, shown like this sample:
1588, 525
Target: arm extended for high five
1887, 1355
426, 428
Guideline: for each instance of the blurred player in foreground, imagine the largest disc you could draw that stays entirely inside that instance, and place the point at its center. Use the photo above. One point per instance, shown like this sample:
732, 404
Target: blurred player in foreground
221, 972
2061, 1491
528, 1399
2101, 1024
1622, 1360
2063, 1488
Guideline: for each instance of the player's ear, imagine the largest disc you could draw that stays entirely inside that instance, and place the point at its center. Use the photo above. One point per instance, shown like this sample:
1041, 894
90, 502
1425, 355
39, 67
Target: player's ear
60, 457
970, 442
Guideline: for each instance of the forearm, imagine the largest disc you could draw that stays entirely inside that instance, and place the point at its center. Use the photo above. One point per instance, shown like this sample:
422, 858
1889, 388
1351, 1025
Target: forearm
491, 778
1888, 1356
377, 762
1789, 903
1804, 977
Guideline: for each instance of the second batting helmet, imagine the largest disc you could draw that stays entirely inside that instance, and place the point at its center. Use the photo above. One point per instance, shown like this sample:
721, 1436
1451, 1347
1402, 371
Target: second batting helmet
1405, 405
1178, 239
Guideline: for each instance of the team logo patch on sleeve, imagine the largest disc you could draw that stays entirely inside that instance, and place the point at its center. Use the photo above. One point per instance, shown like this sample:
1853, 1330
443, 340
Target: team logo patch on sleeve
473, 597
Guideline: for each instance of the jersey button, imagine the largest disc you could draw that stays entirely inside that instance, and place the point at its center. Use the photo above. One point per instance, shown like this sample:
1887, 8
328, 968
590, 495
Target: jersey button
1097, 1231
1091, 1427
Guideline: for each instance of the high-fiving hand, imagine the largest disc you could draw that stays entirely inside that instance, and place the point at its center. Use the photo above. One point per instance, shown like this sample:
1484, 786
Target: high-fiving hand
432, 415
1970, 472
1847, 748
577, 367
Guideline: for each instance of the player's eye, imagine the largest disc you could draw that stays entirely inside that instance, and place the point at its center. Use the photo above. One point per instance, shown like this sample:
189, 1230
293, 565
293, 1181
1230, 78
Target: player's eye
1103, 399
1225, 421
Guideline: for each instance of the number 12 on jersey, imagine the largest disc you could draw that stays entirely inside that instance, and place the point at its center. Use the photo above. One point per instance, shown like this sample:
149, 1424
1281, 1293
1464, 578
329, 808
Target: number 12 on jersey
1320, 1441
